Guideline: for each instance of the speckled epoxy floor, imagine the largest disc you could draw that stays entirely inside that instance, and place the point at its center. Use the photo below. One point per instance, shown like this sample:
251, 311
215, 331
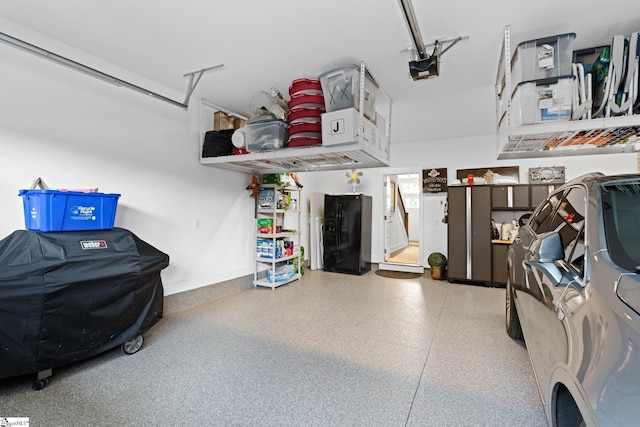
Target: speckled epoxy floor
329, 350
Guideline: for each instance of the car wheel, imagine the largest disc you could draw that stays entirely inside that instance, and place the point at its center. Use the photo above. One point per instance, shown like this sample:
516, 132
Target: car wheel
511, 319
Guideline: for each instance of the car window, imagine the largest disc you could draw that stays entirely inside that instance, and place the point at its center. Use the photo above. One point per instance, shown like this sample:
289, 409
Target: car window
569, 223
576, 254
621, 215
540, 222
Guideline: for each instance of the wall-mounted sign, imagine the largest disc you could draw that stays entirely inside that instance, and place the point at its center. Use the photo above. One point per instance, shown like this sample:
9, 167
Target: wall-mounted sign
547, 175
494, 175
434, 180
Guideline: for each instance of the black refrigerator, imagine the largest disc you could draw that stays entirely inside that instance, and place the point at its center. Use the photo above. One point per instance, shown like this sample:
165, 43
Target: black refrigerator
347, 233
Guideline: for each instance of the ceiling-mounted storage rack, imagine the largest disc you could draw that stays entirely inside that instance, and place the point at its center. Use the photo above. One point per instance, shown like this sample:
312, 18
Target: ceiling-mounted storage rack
619, 134
370, 147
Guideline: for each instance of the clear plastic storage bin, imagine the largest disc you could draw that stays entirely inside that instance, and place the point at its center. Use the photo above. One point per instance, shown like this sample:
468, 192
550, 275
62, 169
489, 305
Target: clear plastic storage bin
264, 136
341, 89
544, 100
542, 58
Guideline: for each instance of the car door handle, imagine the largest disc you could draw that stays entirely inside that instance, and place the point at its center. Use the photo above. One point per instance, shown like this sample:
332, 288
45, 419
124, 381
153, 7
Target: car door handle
561, 314
527, 272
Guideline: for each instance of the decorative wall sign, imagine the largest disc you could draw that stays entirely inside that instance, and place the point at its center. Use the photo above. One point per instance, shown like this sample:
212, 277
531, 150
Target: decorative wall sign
547, 175
495, 175
434, 180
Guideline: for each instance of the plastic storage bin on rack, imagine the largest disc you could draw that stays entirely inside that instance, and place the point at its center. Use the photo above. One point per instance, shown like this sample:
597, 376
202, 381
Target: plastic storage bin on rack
542, 58
264, 135
305, 86
305, 139
304, 124
544, 100
341, 89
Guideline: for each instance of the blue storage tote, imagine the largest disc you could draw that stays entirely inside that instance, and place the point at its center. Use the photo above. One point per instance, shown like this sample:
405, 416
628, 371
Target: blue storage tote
54, 210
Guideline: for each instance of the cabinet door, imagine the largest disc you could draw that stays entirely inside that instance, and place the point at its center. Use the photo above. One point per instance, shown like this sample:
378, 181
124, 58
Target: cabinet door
457, 233
539, 193
521, 197
510, 197
500, 196
481, 233
500, 263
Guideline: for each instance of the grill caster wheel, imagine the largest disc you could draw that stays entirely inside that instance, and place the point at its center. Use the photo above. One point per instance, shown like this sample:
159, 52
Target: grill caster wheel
133, 345
39, 384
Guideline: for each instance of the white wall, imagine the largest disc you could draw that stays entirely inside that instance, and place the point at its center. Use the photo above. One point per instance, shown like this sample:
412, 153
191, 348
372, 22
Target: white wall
453, 154
79, 132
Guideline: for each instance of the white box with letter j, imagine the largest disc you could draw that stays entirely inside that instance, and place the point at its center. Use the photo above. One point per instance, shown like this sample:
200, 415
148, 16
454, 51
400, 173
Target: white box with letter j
340, 127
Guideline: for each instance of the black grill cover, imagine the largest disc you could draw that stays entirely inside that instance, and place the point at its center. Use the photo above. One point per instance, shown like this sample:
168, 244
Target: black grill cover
67, 296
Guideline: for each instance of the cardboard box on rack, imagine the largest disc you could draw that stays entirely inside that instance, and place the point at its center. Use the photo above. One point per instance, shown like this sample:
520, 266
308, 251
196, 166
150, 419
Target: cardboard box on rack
224, 121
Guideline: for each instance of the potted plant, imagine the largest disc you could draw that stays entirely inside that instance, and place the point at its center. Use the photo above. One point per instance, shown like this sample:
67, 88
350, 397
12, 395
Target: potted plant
437, 261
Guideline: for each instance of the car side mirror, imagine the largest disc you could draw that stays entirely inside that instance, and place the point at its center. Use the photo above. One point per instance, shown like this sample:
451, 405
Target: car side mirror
548, 248
548, 256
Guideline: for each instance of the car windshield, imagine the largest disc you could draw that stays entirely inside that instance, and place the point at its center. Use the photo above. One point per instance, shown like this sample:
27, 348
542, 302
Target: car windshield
621, 214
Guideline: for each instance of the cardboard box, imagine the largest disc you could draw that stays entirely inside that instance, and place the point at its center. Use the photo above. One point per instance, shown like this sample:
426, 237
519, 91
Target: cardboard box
224, 121
267, 198
266, 226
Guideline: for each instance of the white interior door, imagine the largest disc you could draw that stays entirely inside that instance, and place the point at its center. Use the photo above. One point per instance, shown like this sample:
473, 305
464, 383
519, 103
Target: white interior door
402, 242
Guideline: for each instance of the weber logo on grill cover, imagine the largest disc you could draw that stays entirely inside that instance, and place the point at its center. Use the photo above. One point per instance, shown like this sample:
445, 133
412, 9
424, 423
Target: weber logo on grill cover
93, 244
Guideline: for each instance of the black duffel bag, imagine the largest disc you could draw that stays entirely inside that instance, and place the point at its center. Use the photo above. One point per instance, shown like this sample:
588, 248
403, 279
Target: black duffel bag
217, 143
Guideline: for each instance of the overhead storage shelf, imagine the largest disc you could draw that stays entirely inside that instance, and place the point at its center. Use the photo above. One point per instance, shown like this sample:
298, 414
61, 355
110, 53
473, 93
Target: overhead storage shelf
619, 134
370, 147
356, 155
581, 137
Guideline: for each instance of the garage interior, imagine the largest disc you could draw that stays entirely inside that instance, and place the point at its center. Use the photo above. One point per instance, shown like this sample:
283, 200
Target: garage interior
330, 348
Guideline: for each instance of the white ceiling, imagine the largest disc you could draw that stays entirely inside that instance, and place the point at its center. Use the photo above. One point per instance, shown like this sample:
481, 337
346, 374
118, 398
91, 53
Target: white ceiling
270, 43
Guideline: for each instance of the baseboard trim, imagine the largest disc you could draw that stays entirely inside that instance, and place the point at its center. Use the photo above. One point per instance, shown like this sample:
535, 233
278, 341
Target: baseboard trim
205, 294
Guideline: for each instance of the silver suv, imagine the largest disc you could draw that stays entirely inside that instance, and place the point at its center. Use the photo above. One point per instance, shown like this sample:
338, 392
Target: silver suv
573, 295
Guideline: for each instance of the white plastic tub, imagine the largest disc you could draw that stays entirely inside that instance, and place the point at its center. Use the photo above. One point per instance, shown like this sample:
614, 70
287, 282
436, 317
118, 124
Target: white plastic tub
546, 100
263, 136
542, 58
341, 90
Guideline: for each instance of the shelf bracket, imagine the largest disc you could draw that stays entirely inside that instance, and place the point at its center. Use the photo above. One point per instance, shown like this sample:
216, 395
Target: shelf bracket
194, 77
